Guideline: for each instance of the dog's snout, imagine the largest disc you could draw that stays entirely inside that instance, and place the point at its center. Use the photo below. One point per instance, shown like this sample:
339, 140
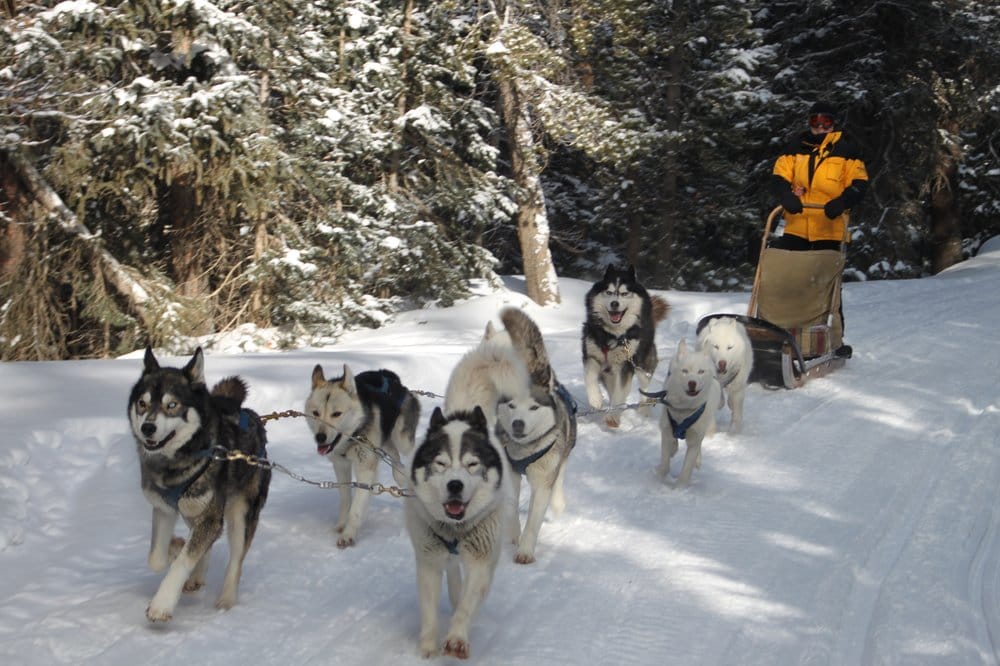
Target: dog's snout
455, 487
321, 438
614, 305
517, 426
148, 429
722, 366
692, 386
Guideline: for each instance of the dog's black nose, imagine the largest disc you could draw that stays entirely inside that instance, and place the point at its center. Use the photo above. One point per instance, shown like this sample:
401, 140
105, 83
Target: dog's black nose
455, 487
148, 429
614, 305
518, 427
320, 438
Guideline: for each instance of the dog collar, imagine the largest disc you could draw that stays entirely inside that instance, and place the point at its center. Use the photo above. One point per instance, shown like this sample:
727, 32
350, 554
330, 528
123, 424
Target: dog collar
680, 429
172, 494
521, 466
451, 545
731, 376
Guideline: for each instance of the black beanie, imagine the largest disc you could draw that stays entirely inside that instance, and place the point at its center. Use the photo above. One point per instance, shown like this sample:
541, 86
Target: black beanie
824, 108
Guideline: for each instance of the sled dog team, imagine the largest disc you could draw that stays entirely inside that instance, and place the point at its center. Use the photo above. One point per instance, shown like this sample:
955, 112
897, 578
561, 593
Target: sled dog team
505, 415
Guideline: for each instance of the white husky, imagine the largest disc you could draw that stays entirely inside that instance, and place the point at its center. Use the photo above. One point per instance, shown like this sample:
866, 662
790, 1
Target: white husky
490, 372
727, 342
692, 397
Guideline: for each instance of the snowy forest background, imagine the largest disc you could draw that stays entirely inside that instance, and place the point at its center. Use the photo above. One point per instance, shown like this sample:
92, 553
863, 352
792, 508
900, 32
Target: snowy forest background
176, 168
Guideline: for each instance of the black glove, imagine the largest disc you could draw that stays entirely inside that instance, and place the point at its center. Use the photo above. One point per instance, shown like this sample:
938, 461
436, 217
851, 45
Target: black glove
834, 208
790, 202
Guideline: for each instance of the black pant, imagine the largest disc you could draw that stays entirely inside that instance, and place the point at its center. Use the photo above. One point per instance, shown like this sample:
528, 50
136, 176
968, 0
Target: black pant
800, 244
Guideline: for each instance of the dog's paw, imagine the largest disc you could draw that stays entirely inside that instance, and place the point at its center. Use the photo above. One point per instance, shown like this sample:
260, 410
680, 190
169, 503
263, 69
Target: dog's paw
524, 558
428, 648
662, 470
611, 421
154, 614
194, 584
456, 647
225, 602
345, 541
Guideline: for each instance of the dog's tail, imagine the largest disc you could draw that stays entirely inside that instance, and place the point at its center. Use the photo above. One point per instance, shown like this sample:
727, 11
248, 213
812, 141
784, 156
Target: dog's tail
230, 393
526, 338
661, 308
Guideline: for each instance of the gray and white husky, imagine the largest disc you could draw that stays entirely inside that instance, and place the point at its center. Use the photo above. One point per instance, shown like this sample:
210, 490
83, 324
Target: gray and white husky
456, 522
691, 397
352, 418
618, 338
182, 433
537, 430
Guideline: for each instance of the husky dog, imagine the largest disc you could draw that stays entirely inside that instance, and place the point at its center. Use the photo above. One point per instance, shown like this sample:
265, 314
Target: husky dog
179, 427
352, 418
489, 373
537, 431
455, 521
618, 338
726, 341
691, 397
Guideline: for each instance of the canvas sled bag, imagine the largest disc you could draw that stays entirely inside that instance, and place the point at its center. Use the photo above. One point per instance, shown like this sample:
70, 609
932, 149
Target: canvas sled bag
799, 291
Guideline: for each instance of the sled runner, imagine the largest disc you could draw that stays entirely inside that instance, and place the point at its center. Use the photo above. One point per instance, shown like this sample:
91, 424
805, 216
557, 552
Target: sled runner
793, 319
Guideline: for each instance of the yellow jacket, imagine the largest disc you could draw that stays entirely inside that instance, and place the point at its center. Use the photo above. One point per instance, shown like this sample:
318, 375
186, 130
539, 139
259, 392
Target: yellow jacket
822, 167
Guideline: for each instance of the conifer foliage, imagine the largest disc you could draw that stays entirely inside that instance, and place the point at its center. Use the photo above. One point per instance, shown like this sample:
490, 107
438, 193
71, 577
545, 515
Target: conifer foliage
176, 168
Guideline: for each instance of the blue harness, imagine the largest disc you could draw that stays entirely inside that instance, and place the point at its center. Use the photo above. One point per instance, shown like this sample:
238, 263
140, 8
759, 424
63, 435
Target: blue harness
521, 466
452, 545
172, 494
680, 429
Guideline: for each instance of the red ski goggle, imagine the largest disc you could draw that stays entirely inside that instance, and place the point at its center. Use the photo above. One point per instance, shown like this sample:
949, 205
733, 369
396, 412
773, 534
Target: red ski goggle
821, 121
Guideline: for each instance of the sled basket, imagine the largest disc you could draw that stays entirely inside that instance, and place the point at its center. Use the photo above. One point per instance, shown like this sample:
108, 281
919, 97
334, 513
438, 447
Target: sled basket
792, 319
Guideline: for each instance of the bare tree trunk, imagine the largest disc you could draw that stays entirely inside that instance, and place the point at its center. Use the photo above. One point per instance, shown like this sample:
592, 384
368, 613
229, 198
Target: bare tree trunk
541, 281
13, 240
540, 277
402, 103
132, 290
668, 195
946, 221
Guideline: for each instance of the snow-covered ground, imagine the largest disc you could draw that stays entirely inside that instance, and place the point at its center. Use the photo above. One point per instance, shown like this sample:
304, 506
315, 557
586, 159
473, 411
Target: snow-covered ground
855, 520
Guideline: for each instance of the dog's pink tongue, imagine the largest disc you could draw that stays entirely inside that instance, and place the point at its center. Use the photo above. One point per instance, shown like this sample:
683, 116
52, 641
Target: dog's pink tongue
454, 508
616, 317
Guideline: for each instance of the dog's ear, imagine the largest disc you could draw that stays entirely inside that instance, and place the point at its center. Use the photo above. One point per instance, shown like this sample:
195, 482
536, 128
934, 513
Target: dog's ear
437, 418
195, 368
609, 273
149, 362
348, 381
630, 274
490, 331
682, 348
479, 419
318, 378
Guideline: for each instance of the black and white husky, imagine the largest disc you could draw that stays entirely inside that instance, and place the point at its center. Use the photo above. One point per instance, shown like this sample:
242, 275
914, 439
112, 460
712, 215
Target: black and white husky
456, 522
183, 433
537, 430
618, 338
353, 418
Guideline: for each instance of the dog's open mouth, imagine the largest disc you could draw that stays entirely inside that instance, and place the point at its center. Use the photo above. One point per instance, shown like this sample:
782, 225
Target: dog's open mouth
693, 392
616, 316
324, 449
455, 509
153, 445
